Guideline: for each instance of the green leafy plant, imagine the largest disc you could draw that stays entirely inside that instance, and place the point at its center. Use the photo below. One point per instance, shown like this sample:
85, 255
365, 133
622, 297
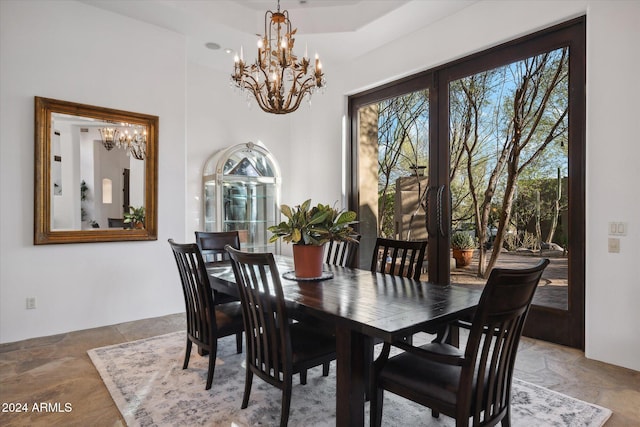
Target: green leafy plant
462, 240
316, 225
134, 216
84, 190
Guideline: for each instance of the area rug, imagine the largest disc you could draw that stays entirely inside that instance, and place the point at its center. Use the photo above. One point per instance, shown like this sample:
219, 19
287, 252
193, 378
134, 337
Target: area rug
150, 388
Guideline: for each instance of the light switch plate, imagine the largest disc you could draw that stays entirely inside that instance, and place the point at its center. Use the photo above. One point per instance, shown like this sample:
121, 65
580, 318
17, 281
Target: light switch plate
614, 245
617, 229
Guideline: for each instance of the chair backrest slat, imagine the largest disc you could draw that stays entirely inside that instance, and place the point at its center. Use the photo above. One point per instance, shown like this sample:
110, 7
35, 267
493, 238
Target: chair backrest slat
342, 254
398, 257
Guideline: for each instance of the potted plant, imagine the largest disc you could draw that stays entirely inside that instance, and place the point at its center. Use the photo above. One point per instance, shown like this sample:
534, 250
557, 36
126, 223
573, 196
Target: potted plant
463, 245
308, 229
135, 217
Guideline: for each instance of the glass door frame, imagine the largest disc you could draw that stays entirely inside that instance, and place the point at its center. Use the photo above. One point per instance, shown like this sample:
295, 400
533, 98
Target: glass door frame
560, 326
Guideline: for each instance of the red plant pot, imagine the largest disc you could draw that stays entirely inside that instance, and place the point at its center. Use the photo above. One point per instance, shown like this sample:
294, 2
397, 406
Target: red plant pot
463, 257
308, 260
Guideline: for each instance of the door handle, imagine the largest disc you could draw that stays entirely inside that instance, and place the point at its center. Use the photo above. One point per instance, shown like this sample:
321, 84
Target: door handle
442, 228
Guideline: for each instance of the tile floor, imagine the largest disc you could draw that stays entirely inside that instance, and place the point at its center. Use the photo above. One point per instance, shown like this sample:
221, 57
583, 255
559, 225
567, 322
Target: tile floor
56, 370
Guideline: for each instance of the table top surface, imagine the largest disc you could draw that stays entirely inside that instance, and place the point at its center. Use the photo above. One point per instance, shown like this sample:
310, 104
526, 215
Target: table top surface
375, 304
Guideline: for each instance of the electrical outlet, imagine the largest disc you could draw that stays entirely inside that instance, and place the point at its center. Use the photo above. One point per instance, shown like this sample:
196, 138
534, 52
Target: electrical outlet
31, 303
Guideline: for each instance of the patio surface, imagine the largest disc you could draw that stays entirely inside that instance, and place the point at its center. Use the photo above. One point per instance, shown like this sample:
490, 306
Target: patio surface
553, 288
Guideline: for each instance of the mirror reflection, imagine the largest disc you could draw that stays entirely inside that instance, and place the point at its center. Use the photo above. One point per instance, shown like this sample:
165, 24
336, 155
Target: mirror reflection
96, 171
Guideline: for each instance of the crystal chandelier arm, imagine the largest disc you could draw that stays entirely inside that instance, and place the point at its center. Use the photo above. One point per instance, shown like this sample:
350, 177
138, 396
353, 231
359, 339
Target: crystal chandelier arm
253, 85
305, 86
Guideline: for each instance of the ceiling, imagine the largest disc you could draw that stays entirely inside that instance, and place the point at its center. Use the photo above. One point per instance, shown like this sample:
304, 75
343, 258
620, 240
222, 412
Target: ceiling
338, 30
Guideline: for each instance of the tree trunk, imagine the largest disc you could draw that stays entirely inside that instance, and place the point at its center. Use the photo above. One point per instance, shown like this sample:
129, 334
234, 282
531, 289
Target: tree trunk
538, 228
556, 210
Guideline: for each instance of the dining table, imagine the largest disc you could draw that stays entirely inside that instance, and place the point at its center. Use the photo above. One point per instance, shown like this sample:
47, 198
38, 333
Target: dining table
364, 306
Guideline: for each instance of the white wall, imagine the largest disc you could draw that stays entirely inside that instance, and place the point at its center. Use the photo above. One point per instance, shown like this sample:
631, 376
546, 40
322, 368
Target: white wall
218, 117
74, 52
613, 178
613, 147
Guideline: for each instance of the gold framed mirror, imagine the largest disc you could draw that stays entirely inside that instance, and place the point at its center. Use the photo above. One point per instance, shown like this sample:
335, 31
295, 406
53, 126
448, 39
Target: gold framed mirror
96, 173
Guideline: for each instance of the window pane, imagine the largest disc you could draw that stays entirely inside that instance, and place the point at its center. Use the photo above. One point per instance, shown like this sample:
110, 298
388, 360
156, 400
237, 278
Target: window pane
509, 169
393, 141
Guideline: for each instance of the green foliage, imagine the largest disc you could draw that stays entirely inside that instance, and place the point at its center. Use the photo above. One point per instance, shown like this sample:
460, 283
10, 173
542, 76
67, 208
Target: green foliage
386, 208
529, 241
135, 215
511, 241
84, 189
314, 226
462, 240
524, 208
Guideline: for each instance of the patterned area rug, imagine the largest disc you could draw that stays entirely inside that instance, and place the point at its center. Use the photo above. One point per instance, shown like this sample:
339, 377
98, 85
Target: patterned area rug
150, 388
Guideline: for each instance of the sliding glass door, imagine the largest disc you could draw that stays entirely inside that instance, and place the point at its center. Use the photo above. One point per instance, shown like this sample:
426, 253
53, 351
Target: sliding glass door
491, 148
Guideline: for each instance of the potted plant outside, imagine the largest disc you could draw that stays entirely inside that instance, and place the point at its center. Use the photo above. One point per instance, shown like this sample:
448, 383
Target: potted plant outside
463, 245
308, 229
135, 217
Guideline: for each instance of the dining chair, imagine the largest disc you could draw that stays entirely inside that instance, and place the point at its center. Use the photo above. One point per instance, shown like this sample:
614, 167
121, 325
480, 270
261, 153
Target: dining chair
475, 383
117, 223
342, 254
211, 244
206, 321
277, 347
398, 257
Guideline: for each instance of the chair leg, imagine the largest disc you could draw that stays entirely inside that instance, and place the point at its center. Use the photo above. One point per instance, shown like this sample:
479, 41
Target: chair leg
187, 354
303, 377
325, 369
286, 403
506, 421
435, 414
247, 387
212, 364
212, 367
375, 416
239, 342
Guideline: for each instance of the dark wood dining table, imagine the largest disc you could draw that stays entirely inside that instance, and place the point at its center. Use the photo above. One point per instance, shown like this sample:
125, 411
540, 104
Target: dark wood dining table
363, 306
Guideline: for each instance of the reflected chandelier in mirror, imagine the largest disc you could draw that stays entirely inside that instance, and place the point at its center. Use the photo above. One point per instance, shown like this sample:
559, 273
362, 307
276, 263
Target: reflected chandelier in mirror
95, 174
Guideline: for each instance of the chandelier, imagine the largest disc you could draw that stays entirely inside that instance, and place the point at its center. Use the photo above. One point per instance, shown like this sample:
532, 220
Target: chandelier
278, 79
108, 136
134, 143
